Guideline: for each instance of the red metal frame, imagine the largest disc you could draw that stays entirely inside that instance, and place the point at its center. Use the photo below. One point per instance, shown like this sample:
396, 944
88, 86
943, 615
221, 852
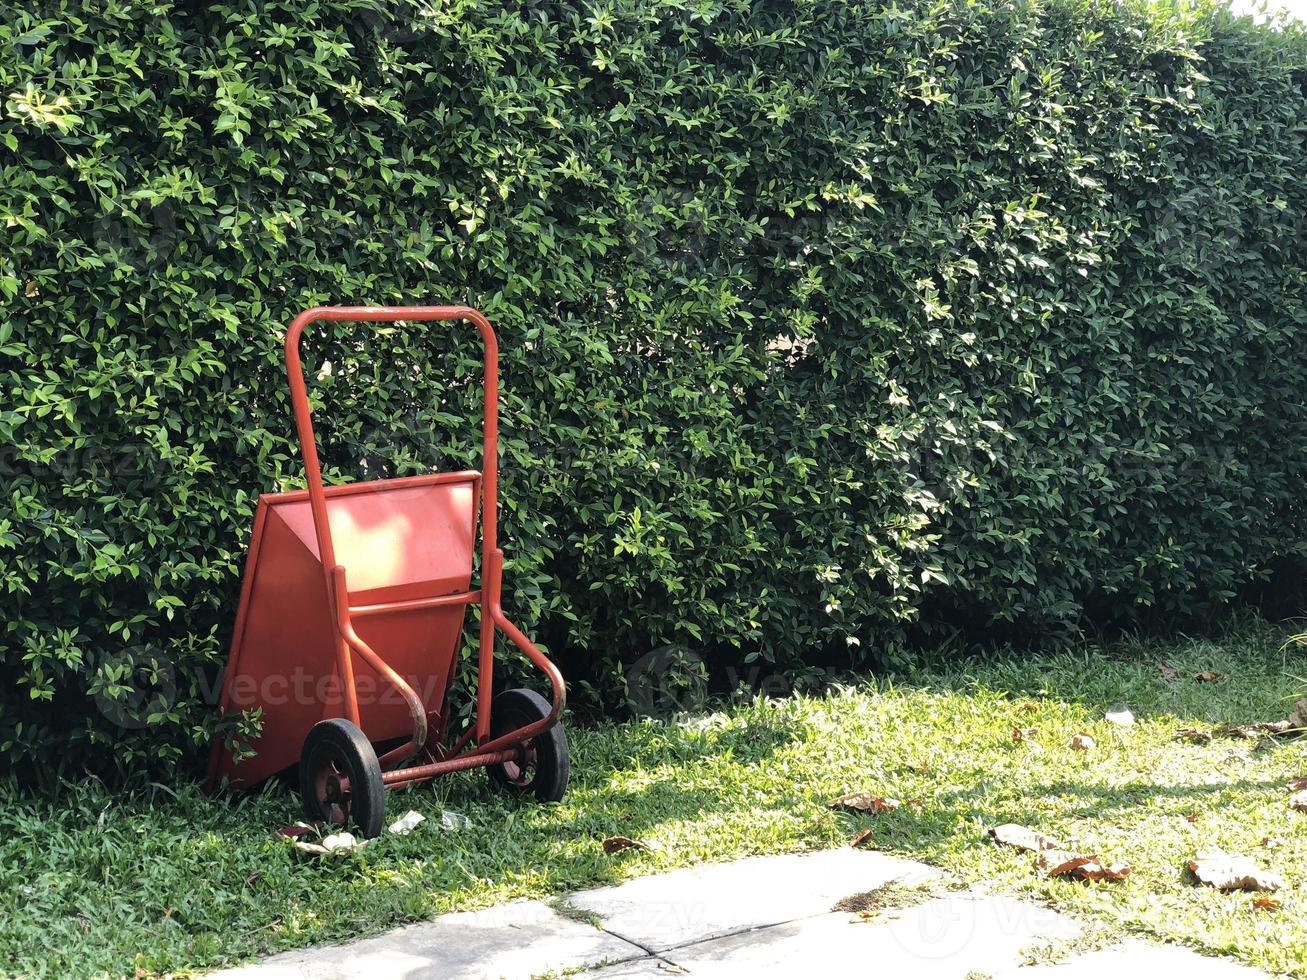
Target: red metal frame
486, 751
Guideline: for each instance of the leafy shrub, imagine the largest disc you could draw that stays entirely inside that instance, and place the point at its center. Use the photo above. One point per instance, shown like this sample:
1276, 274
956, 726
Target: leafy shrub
827, 326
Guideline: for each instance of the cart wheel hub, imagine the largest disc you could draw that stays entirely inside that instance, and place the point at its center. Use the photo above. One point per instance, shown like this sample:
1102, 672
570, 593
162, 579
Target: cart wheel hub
521, 767
334, 789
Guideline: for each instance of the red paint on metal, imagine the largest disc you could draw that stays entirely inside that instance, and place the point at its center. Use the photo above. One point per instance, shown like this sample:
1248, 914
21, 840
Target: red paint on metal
398, 555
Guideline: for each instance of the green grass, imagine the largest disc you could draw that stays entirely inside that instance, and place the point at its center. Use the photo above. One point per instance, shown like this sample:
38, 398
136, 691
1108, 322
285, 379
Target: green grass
168, 881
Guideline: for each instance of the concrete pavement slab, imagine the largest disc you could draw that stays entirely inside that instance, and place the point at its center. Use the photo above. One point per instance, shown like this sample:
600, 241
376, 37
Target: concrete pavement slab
945, 938
517, 940
667, 910
760, 917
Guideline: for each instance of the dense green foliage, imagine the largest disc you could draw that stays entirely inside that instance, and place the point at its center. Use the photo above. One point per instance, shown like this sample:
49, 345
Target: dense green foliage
823, 322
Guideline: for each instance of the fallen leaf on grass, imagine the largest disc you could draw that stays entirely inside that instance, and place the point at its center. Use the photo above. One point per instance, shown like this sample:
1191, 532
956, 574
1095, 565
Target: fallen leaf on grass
1120, 716
332, 844
1266, 903
1023, 838
1194, 735
1255, 729
1209, 677
1169, 673
1082, 742
1020, 734
1067, 864
1231, 872
1027, 707
1298, 716
297, 830
1299, 801
863, 803
614, 844
863, 838
1053, 859
253, 877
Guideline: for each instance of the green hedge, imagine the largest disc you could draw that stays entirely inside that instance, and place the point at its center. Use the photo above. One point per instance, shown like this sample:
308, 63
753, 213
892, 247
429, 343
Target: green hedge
827, 326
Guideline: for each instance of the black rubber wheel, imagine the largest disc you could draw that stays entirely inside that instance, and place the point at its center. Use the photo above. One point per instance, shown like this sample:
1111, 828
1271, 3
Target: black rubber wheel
545, 762
340, 778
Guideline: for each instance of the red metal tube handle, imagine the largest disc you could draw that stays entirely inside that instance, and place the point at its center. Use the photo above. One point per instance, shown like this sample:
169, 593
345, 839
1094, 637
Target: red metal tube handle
317, 495
493, 610
416, 709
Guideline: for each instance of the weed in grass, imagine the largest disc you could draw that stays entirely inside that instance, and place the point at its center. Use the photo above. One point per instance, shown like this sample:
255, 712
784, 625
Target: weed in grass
1050, 951
892, 895
569, 911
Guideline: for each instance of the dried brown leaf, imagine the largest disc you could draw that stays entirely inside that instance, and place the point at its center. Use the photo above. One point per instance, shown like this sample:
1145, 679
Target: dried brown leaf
1209, 677
1027, 706
1023, 838
297, 830
1020, 734
1298, 716
1230, 872
1169, 673
1082, 742
1055, 862
1266, 904
863, 838
1105, 872
1194, 735
1059, 864
1256, 728
863, 803
619, 843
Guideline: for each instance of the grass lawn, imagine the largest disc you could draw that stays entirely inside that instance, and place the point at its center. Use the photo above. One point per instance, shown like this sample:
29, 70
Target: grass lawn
167, 881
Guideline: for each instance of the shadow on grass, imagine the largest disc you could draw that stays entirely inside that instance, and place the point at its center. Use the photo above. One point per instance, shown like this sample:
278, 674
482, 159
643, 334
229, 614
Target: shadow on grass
169, 880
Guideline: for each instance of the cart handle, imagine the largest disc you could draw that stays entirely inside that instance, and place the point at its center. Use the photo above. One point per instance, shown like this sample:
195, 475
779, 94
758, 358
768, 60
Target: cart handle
304, 420
492, 558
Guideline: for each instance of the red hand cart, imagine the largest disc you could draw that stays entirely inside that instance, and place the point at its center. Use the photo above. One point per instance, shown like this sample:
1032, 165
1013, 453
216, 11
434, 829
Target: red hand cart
351, 614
